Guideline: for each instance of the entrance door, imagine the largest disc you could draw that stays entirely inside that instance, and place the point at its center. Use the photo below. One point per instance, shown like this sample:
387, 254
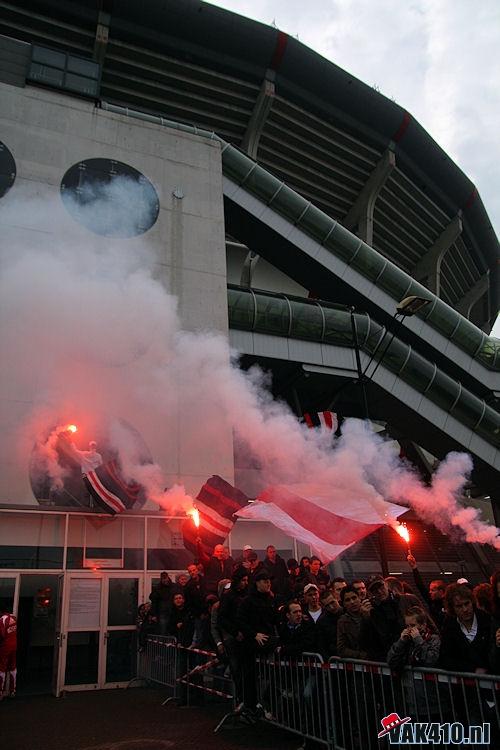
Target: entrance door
99, 630
120, 632
36, 631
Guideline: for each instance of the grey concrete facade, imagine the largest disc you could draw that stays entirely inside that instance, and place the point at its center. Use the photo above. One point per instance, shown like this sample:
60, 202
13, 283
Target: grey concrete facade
47, 133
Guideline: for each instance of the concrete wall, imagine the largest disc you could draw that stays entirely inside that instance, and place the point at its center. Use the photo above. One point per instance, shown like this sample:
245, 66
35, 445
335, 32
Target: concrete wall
47, 133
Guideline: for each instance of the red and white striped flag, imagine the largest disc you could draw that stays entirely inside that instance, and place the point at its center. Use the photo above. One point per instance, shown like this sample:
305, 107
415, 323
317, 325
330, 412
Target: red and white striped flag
325, 419
217, 502
311, 514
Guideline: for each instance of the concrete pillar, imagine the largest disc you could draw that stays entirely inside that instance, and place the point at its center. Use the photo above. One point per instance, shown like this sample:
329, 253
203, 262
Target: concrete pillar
474, 294
361, 213
101, 36
250, 142
428, 269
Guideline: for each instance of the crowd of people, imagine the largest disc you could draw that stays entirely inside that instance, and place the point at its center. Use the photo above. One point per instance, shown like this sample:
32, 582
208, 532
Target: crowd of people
246, 607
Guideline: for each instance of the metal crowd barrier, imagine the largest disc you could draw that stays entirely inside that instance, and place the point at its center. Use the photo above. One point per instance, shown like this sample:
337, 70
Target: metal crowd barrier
186, 672
341, 704
294, 695
157, 663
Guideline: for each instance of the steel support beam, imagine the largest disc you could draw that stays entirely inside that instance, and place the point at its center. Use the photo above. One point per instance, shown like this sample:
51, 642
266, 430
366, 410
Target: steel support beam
473, 295
101, 36
428, 268
250, 144
361, 212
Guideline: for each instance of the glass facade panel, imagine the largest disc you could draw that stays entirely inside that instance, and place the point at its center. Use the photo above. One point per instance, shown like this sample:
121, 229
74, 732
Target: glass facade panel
289, 204
241, 309
122, 601
468, 409
316, 223
368, 262
338, 329
343, 243
307, 321
133, 543
121, 652
443, 318
443, 391
261, 183
82, 658
489, 428
236, 165
34, 540
417, 372
394, 281
489, 353
166, 549
273, 314
395, 356
468, 336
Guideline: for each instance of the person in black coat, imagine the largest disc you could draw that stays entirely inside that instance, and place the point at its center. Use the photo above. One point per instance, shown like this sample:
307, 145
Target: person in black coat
432, 596
466, 633
383, 620
161, 602
277, 569
257, 621
216, 567
296, 634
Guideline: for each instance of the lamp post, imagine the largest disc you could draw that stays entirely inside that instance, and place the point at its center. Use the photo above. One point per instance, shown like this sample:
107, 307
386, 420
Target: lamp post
404, 309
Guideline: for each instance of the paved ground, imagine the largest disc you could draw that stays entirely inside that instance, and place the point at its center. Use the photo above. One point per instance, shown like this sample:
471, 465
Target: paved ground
126, 720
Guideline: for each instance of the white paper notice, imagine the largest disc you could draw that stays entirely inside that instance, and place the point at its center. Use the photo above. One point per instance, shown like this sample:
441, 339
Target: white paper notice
85, 603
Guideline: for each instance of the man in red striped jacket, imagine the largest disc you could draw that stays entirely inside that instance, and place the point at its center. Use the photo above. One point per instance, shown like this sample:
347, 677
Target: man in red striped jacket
8, 648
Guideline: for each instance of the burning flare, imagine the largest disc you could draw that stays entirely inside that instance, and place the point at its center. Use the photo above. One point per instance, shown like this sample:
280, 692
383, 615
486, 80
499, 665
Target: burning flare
403, 532
195, 515
72, 428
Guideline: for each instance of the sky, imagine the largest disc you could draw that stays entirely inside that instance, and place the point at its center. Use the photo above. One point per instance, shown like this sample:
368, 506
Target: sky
436, 58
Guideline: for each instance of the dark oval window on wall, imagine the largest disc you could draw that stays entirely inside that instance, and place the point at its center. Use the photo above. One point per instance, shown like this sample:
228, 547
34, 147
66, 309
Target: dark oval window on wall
110, 198
7, 169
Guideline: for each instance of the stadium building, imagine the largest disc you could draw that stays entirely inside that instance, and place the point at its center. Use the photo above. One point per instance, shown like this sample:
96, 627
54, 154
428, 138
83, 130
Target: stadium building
295, 209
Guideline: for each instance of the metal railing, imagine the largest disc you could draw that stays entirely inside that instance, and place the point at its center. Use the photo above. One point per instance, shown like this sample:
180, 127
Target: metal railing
340, 704
185, 672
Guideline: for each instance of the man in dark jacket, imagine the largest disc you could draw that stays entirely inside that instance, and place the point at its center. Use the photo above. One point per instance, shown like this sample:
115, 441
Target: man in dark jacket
257, 621
277, 569
216, 567
383, 620
465, 637
161, 602
432, 596
297, 634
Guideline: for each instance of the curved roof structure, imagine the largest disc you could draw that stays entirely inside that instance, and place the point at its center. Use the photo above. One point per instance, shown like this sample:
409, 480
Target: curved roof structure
356, 155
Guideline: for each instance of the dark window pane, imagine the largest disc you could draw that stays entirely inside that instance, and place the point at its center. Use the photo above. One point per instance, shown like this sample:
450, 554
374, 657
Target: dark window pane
82, 658
122, 601
121, 653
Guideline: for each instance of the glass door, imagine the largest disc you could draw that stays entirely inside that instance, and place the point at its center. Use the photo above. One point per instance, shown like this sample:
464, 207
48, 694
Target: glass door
8, 592
36, 632
98, 633
81, 631
118, 665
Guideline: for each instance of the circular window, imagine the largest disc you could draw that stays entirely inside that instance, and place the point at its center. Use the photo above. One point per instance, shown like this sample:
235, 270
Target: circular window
110, 198
7, 169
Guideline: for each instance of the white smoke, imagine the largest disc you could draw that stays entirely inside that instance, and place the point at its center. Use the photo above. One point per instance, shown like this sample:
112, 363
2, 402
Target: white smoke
105, 339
